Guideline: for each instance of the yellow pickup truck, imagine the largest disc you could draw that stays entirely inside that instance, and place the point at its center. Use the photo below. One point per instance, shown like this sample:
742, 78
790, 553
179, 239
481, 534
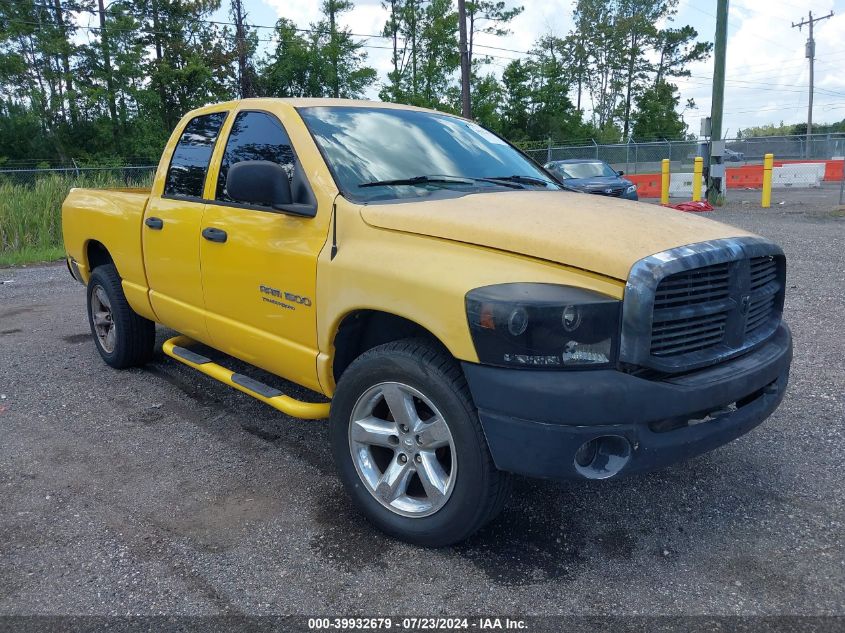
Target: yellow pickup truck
467, 316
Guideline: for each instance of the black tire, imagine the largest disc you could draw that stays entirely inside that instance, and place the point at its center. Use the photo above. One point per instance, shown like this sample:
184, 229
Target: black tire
134, 336
479, 490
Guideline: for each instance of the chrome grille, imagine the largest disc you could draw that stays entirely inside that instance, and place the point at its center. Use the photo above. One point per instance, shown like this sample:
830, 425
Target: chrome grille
696, 305
608, 191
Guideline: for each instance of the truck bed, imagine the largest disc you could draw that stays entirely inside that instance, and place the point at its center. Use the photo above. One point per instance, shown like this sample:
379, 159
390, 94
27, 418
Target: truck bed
107, 216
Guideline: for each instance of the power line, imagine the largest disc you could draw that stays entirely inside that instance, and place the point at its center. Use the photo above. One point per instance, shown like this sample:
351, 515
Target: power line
835, 105
767, 85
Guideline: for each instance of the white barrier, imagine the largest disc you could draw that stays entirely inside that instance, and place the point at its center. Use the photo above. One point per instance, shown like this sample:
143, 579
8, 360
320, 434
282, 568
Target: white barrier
798, 175
681, 184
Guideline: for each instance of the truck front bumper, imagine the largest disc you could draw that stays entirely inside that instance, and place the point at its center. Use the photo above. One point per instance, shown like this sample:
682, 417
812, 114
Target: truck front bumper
603, 423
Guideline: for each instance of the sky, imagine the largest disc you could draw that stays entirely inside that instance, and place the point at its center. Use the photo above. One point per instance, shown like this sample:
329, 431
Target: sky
767, 76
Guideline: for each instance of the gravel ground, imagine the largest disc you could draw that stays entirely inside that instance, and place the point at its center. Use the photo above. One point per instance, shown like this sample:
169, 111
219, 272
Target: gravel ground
159, 491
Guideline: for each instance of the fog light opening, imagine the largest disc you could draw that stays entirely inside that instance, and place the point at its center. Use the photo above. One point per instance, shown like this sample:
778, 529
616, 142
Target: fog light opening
602, 457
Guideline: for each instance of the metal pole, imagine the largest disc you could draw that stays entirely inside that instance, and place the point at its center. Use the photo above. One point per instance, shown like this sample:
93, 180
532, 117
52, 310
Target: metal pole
811, 53
714, 186
842, 185
466, 109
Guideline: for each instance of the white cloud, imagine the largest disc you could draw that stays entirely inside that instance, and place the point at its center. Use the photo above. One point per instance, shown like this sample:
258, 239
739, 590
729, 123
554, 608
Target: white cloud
767, 74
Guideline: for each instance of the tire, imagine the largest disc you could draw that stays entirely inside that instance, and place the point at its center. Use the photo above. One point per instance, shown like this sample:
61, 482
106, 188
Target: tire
123, 337
454, 488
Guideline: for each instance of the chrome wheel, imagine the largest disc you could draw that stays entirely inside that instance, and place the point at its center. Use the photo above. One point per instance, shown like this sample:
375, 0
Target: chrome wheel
402, 449
101, 315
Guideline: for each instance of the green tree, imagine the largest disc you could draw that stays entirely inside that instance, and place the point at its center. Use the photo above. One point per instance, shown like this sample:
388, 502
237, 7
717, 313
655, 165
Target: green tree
192, 64
516, 86
553, 114
392, 90
488, 17
656, 115
618, 51
292, 70
678, 49
343, 69
438, 54
245, 45
487, 100
424, 67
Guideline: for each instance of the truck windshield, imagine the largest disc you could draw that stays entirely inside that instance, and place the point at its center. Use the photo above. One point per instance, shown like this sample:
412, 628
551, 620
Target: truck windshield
383, 153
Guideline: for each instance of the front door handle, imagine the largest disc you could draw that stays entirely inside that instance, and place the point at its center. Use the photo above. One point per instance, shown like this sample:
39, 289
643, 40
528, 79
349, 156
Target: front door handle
214, 235
154, 223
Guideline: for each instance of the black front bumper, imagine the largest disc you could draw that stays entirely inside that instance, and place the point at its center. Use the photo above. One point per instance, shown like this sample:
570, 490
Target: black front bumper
535, 421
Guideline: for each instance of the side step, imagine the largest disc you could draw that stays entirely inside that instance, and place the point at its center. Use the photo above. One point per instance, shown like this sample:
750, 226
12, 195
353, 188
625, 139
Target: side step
177, 347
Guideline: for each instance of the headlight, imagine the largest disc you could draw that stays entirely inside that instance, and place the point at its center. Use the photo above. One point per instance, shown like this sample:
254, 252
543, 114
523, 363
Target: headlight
543, 326
631, 189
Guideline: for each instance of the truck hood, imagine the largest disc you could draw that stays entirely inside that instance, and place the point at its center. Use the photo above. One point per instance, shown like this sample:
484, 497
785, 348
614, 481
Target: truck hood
594, 233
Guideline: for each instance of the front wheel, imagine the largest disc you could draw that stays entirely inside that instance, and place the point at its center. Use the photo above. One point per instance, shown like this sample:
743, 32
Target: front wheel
409, 447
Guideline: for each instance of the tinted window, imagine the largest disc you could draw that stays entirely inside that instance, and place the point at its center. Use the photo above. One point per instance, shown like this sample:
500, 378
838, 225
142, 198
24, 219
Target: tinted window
190, 158
255, 136
368, 144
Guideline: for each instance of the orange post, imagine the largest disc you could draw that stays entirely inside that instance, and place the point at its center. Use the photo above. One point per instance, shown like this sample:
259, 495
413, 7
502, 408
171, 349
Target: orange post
664, 181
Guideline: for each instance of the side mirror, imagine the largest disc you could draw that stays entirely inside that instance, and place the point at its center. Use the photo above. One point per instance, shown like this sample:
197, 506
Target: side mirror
260, 182
620, 173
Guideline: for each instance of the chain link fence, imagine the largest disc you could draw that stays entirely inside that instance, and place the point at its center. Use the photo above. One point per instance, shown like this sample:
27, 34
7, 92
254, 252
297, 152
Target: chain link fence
641, 157
800, 161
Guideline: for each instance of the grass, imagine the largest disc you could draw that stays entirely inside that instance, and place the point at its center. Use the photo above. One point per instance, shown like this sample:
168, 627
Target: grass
31, 215
31, 255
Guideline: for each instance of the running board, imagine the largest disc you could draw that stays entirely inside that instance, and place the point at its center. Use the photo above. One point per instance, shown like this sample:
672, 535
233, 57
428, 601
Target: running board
177, 347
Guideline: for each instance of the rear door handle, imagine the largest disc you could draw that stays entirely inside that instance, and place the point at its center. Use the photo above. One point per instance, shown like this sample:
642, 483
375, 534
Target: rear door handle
154, 223
214, 235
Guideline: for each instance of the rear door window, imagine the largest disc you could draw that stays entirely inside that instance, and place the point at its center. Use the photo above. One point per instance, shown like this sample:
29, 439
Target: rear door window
255, 136
186, 175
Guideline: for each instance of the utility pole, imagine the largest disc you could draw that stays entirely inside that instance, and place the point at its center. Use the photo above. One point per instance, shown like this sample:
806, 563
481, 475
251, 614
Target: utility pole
244, 71
717, 168
104, 45
466, 108
811, 55
332, 7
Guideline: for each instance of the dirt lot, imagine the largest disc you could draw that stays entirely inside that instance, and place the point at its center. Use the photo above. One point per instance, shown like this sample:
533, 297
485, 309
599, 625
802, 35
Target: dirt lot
160, 491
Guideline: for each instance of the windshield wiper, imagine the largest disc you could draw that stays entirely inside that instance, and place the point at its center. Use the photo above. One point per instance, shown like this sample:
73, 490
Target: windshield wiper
420, 180
529, 180
451, 180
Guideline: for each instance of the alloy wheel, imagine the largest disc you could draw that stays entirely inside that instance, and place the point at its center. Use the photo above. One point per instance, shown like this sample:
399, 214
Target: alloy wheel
402, 449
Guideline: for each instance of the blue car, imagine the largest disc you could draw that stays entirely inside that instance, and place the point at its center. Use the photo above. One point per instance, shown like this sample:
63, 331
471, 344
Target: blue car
592, 176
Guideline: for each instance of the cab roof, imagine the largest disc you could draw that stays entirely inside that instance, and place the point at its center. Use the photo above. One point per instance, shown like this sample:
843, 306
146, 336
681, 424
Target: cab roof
311, 102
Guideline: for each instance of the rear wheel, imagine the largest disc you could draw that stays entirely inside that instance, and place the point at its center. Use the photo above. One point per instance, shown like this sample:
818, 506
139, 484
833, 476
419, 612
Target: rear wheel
123, 337
409, 447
